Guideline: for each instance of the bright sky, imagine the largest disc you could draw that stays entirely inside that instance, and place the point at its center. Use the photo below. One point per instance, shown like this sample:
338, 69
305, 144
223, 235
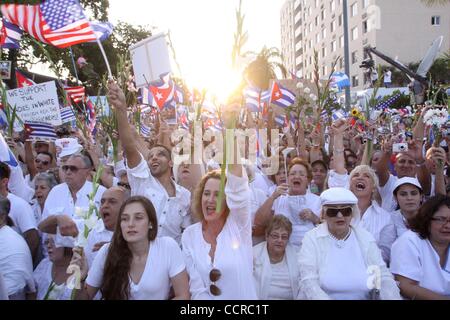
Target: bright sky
202, 33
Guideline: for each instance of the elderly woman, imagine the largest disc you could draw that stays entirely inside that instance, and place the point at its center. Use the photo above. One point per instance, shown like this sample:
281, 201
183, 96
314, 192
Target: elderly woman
16, 264
275, 267
43, 183
50, 275
336, 256
419, 258
218, 249
294, 201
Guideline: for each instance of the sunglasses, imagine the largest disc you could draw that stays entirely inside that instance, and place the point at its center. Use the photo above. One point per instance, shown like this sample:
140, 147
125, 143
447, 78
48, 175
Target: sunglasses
44, 162
333, 212
214, 276
124, 185
74, 169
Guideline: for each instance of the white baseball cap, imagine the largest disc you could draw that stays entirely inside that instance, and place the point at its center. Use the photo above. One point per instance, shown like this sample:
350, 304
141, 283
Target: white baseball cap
68, 146
407, 180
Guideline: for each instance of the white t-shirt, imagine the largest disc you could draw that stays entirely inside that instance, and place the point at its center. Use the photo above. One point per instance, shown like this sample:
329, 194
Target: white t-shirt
344, 276
21, 214
387, 76
15, 262
164, 261
280, 283
416, 259
98, 234
290, 206
43, 278
388, 202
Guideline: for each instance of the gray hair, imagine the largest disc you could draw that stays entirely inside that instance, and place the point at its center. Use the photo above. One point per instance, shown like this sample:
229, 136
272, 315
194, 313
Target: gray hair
86, 160
49, 179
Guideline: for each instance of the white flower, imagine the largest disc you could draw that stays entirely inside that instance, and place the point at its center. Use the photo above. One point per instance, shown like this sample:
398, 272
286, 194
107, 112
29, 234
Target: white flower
313, 97
91, 203
374, 278
73, 281
91, 222
299, 85
307, 90
81, 240
80, 212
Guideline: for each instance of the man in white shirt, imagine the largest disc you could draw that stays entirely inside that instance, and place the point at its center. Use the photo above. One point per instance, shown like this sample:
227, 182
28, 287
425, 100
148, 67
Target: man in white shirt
112, 200
73, 193
387, 78
20, 213
152, 177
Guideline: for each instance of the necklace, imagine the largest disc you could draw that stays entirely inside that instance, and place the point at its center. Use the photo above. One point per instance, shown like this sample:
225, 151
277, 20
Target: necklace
340, 242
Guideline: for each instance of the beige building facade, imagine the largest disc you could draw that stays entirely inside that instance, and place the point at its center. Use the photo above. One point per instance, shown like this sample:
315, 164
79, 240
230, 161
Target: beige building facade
399, 28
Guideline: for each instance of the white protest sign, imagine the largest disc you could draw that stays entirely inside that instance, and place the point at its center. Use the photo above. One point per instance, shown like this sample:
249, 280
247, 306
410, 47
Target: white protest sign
36, 103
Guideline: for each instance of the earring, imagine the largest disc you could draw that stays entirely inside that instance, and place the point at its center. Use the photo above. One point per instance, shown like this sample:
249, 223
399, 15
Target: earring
150, 227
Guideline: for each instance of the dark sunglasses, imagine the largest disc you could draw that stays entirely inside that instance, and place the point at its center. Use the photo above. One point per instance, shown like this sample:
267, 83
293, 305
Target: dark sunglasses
333, 212
214, 276
44, 162
74, 169
124, 185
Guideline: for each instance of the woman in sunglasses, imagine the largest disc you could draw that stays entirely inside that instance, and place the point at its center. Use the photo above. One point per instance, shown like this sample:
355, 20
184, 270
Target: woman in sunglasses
336, 256
420, 256
218, 249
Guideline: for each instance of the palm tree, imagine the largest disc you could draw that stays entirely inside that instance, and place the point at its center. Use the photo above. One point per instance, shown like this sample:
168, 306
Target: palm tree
431, 3
264, 67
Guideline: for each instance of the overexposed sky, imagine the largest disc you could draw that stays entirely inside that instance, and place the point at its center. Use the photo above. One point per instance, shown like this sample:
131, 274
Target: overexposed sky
202, 32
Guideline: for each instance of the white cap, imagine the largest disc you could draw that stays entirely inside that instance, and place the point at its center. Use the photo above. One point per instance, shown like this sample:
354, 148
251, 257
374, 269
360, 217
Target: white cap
407, 180
68, 146
337, 196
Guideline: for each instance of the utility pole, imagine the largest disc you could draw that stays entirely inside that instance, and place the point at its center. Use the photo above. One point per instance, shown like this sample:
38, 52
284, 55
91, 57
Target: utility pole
346, 54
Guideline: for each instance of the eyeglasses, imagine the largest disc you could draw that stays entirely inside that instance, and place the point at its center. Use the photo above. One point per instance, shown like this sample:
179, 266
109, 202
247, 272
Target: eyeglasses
44, 162
441, 220
124, 185
214, 276
283, 237
74, 169
333, 212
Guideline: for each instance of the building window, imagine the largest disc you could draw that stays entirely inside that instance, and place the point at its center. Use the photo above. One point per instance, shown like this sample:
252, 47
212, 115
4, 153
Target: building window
310, 27
436, 20
317, 3
354, 57
324, 33
324, 52
355, 33
332, 5
333, 46
316, 21
310, 60
333, 26
341, 41
324, 70
355, 81
341, 63
323, 15
317, 37
354, 9
340, 20
364, 27
365, 3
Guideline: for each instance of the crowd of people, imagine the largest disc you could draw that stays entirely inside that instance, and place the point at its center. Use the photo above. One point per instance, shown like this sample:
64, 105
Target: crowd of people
338, 219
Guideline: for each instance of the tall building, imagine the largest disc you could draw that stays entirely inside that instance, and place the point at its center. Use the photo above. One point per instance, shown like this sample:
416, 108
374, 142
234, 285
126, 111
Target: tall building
287, 35
402, 28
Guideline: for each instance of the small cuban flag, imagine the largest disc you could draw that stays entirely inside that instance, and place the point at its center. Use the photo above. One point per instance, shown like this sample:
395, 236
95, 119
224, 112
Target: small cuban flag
340, 80
6, 154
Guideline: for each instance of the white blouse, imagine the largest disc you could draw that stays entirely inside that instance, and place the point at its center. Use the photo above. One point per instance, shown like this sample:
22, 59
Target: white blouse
280, 283
47, 289
416, 259
233, 255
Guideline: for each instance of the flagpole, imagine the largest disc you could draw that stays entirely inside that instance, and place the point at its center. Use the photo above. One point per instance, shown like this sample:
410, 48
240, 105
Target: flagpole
110, 76
73, 63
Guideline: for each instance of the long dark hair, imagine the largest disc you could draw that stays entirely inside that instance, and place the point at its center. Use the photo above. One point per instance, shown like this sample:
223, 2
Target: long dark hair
116, 283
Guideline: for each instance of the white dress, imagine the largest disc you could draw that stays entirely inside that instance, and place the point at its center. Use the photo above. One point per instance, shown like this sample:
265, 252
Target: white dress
164, 261
233, 255
46, 288
416, 259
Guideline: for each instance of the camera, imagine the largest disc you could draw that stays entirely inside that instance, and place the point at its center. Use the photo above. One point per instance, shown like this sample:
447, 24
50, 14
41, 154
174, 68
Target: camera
399, 147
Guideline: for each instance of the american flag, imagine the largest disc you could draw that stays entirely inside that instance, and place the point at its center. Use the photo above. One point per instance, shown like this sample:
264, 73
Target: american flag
386, 104
76, 94
10, 35
57, 22
39, 130
67, 114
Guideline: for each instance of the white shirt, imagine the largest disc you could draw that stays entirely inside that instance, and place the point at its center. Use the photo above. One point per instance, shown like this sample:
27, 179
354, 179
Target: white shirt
336, 180
344, 275
400, 222
416, 259
387, 76
15, 262
21, 214
164, 261
60, 201
315, 250
18, 186
37, 211
290, 207
98, 234
233, 255
262, 182
280, 285
172, 212
388, 202
43, 279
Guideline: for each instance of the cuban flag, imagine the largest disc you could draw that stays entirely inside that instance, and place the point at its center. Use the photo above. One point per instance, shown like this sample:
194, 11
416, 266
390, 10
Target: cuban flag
255, 98
67, 114
162, 91
339, 80
281, 96
145, 131
39, 131
23, 81
10, 35
102, 30
338, 114
280, 120
6, 154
